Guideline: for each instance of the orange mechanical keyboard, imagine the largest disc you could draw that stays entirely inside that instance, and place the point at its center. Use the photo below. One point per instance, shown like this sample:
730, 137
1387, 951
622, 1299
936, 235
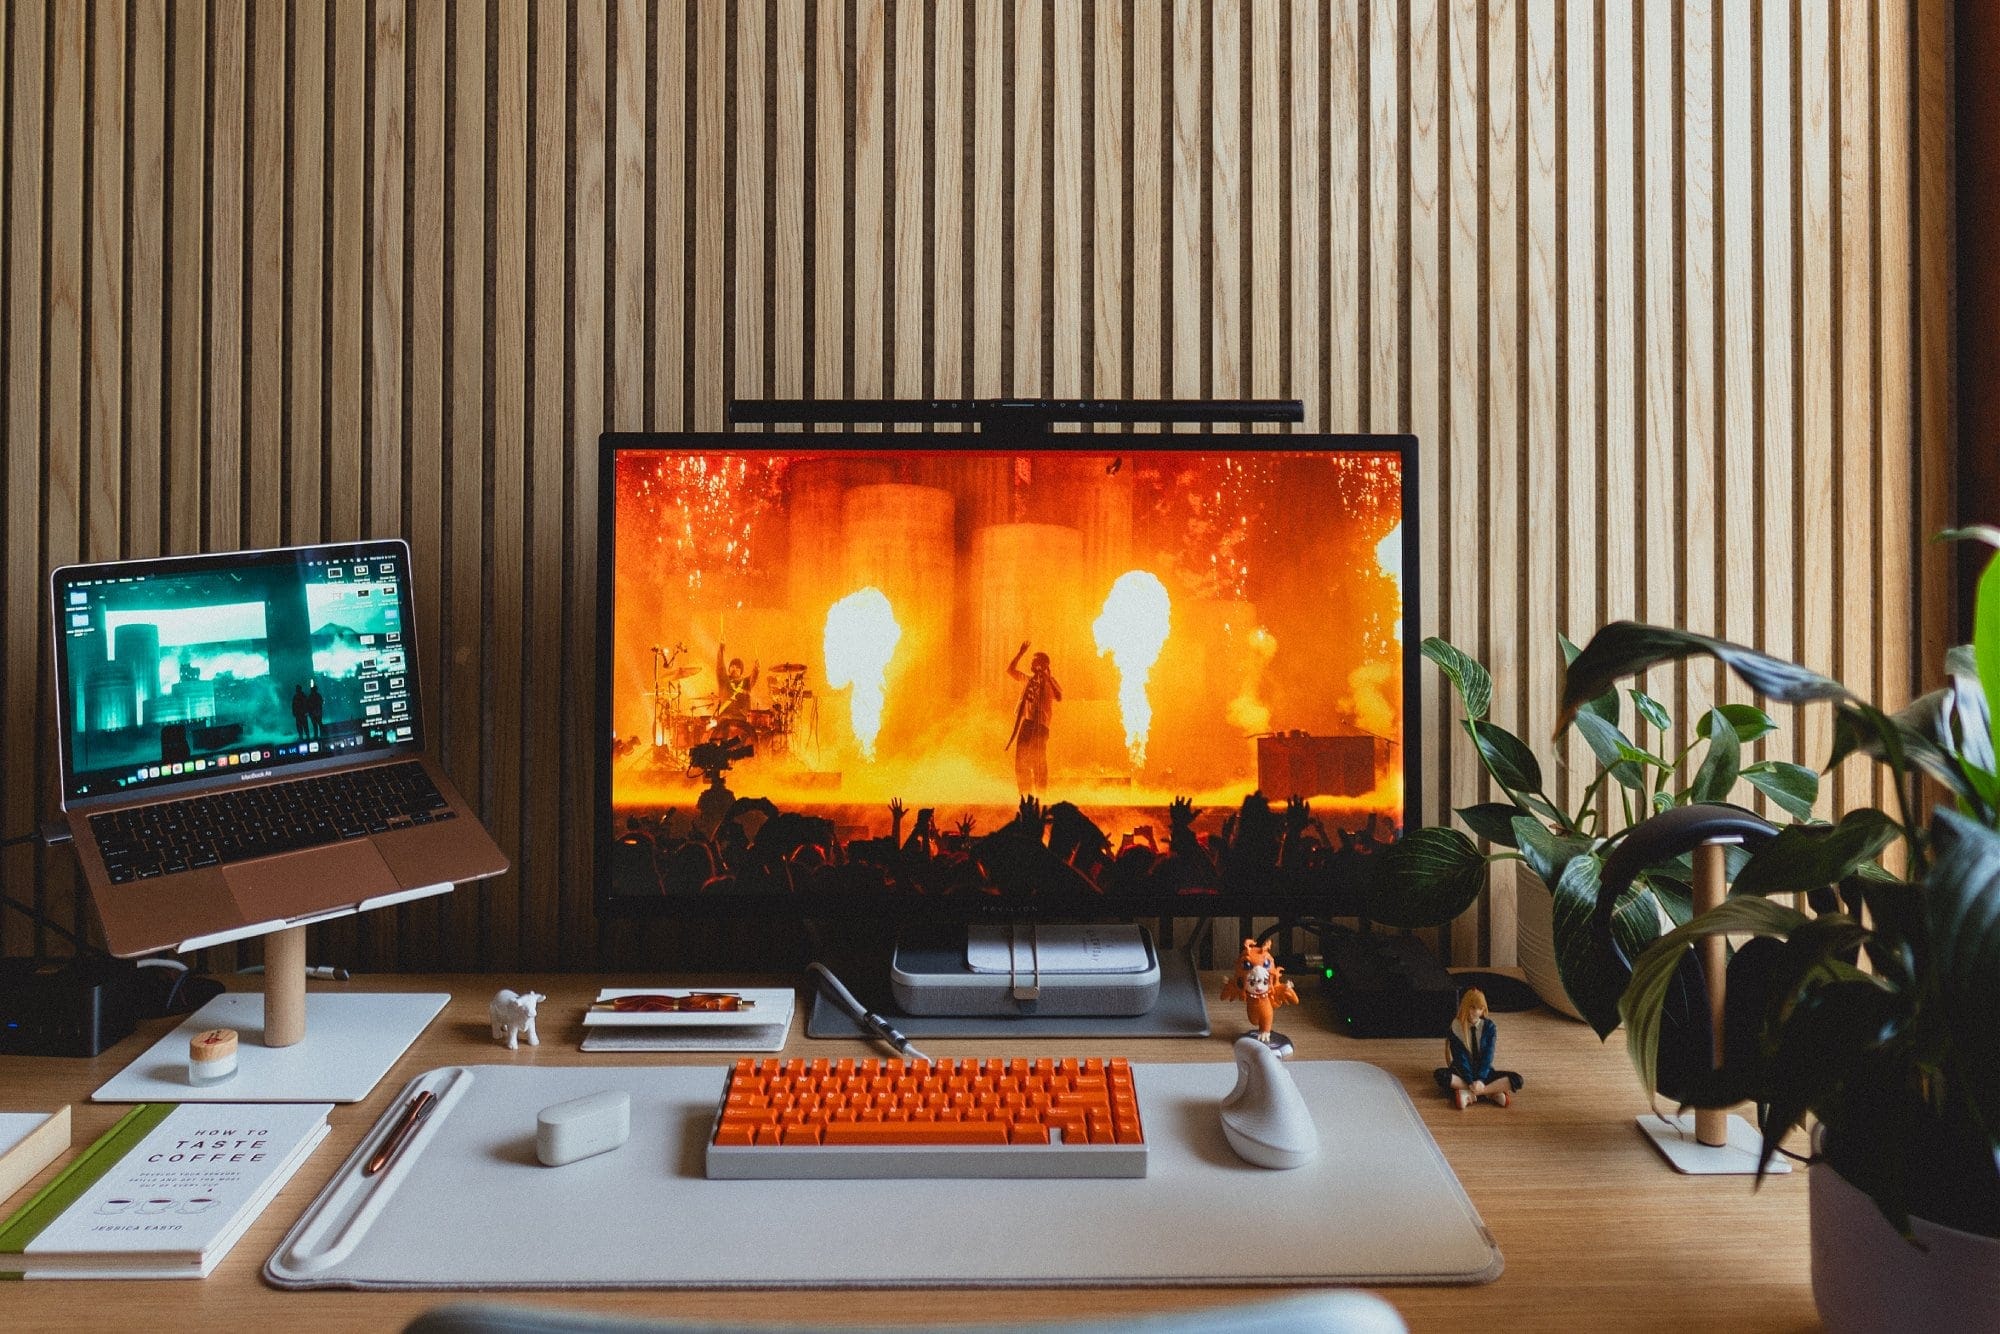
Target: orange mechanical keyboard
971, 1118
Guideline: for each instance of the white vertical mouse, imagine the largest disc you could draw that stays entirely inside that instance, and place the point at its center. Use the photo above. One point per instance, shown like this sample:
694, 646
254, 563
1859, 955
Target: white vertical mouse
1264, 1118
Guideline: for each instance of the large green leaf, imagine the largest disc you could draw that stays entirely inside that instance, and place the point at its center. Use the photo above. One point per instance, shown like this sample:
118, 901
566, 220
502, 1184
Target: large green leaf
1547, 854
1717, 773
1986, 645
1823, 1044
1805, 857
1625, 648
1863, 728
1605, 706
1962, 895
1593, 977
1792, 786
1643, 1003
1749, 722
1610, 745
1492, 821
1511, 763
1652, 711
1434, 875
1467, 676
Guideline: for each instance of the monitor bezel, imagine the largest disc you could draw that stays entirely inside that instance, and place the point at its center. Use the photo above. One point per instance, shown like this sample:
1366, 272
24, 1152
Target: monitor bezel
611, 906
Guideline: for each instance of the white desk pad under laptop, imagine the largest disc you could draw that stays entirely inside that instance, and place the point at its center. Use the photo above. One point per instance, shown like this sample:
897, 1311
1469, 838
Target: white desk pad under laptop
465, 1204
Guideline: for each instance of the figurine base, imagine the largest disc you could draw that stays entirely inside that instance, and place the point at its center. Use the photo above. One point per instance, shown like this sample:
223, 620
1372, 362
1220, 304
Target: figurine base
1277, 1042
1674, 1137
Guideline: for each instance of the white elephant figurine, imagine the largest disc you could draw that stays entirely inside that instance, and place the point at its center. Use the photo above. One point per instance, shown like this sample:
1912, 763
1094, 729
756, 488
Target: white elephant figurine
513, 1016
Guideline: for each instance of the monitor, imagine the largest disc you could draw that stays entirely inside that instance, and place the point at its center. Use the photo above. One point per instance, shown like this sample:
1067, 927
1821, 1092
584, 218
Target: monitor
925, 673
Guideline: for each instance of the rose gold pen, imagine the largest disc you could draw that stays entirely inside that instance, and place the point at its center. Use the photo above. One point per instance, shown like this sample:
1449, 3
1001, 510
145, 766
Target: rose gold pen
413, 1116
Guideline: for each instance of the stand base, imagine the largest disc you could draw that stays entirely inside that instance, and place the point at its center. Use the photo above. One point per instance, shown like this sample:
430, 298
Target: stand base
1278, 1042
352, 1040
1674, 1137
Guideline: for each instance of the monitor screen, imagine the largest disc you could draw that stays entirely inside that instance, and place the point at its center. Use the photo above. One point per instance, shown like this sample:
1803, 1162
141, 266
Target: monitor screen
204, 668
844, 671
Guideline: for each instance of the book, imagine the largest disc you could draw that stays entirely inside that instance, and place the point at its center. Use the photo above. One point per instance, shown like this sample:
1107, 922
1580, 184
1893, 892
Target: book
29, 1141
761, 1026
164, 1193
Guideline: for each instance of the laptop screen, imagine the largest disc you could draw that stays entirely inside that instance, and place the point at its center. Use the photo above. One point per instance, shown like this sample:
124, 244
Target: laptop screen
197, 668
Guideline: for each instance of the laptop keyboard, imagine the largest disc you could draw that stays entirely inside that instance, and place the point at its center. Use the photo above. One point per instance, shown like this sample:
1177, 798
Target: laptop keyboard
223, 827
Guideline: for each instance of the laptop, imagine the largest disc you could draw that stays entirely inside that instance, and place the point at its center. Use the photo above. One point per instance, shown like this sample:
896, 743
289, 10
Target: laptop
241, 744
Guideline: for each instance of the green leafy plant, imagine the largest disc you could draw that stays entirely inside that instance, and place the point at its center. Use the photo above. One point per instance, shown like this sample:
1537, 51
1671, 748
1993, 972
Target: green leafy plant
1874, 1008
1436, 873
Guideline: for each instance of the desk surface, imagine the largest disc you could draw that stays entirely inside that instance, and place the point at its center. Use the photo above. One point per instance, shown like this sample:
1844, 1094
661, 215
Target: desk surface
1597, 1231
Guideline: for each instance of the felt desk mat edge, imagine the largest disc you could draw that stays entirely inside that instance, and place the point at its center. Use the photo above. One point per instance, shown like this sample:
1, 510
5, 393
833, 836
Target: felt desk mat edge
1399, 1110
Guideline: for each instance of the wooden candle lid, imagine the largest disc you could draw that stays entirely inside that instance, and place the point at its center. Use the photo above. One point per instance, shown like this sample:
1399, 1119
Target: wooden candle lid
217, 1044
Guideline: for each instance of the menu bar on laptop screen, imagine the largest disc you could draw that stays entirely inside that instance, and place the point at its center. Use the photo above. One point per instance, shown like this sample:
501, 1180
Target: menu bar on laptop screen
204, 668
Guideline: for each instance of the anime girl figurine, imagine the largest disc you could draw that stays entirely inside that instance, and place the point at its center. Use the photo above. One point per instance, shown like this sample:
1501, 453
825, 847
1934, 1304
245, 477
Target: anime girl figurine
1469, 1046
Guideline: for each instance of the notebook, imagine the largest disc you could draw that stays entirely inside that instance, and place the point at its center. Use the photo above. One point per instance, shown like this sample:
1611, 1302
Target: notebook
760, 1025
164, 1193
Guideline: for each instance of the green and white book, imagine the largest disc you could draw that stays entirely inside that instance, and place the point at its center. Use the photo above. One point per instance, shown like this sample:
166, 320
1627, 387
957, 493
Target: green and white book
164, 1193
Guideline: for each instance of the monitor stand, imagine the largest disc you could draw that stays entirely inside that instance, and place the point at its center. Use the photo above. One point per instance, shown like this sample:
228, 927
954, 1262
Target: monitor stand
293, 1046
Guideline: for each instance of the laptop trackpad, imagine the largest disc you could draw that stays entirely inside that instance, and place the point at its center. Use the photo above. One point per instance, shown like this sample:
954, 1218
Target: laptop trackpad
311, 881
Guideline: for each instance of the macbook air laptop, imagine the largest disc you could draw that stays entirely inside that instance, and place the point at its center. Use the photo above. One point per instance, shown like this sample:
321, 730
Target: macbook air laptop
241, 744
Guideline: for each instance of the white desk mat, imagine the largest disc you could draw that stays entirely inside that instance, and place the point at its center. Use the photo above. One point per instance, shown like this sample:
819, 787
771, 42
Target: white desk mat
466, 1204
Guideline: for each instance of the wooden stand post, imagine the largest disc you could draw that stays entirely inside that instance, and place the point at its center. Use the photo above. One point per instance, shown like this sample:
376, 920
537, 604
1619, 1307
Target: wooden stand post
1711, 1125
285, 987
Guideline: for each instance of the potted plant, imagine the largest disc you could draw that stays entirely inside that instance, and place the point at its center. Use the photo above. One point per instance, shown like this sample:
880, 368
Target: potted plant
1876, 1007
1437, 872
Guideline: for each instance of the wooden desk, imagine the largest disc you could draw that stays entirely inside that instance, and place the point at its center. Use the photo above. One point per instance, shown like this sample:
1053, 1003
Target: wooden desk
1598, 1233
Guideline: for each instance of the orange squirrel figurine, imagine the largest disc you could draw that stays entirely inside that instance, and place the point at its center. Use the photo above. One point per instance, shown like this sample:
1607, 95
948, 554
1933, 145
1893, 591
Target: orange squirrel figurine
1260, 984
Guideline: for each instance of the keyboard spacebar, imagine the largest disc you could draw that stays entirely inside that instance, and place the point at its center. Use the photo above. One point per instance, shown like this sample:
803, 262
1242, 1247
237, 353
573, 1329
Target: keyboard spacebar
915, 1132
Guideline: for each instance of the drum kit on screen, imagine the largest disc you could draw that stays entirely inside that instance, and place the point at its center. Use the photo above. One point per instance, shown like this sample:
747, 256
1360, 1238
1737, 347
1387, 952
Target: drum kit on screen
681, 722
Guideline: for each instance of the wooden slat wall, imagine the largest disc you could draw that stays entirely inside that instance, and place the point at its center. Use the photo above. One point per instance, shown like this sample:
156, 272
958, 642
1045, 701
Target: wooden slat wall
1662, 287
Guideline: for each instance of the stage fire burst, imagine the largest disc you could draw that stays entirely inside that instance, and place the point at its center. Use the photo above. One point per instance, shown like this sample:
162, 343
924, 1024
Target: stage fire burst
861, 637
1132, 628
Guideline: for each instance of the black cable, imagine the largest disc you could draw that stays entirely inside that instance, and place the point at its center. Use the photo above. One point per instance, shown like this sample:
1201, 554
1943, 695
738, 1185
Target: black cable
41, 919
18, 839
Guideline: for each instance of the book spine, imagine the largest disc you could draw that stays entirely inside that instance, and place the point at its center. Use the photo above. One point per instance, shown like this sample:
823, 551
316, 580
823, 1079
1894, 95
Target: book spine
85, 1171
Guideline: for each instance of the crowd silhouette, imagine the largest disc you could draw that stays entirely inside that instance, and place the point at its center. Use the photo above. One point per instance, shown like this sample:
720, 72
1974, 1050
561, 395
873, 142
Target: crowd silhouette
749, 846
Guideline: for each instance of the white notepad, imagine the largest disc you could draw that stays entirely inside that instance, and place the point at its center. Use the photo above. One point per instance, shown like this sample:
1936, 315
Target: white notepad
1057, 949
763, 1026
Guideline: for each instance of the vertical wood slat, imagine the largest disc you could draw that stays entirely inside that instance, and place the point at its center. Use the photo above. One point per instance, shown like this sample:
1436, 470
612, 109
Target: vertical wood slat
1025, 75
866, 267
1465, 535
704, 349
544, 920
424, 402
1226, 219
664, 217
462, 659
145, 227
104, 500
264, 313
1505, 653
906, 266
948, 294
26, 304
1593, 312
588, 109
63, 402
1700, 498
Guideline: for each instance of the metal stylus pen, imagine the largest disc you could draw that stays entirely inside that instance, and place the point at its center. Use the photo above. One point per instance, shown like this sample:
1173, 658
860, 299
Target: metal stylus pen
870, 1021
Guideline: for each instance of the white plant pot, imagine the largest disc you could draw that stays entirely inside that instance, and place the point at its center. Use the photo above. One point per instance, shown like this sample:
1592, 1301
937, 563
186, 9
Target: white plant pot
1866, 1278
1535, 940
